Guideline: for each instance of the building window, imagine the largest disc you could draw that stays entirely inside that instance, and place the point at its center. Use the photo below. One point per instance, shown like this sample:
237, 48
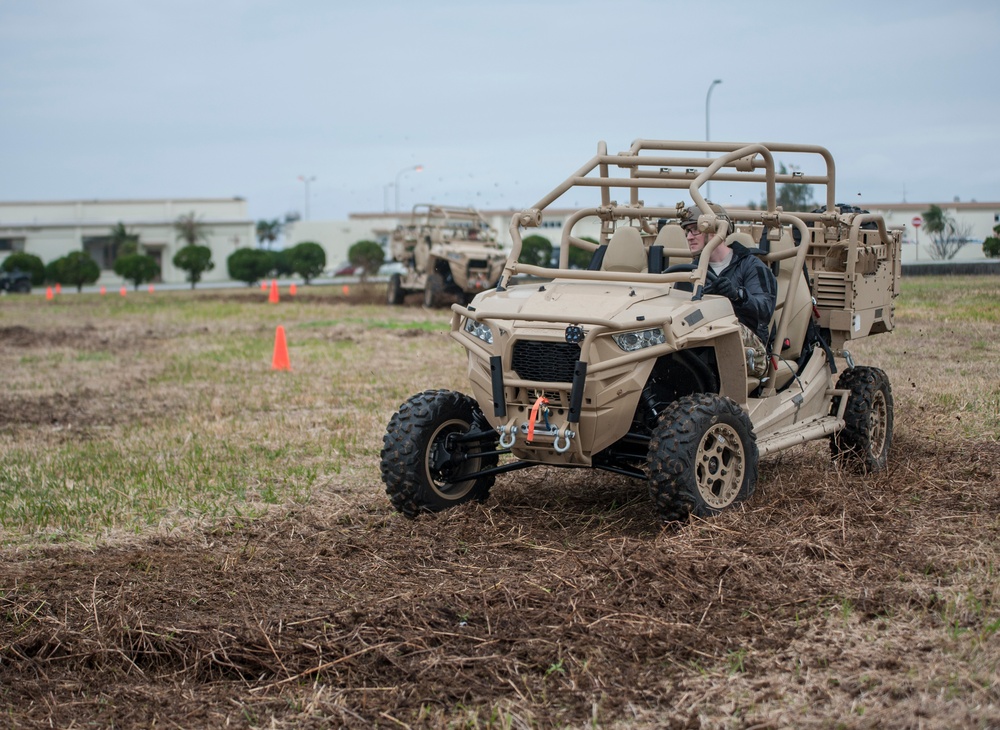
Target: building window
11, 244
551, 224
101, 249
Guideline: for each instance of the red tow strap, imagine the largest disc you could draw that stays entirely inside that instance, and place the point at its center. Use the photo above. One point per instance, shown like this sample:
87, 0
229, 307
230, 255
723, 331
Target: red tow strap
542, 400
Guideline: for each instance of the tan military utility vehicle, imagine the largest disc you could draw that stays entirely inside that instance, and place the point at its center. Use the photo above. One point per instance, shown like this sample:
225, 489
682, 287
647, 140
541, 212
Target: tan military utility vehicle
632, 368
449, 253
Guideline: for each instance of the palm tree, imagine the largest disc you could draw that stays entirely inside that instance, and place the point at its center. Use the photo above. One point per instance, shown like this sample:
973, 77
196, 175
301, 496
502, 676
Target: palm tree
947, 236
123, 242
190, 230
935, 220
268, 232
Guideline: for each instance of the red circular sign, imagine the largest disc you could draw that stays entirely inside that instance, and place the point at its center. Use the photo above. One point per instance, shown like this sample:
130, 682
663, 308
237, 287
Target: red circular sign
917, 221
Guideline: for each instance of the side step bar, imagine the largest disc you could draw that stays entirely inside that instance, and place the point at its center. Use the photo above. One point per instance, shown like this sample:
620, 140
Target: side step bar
799, 433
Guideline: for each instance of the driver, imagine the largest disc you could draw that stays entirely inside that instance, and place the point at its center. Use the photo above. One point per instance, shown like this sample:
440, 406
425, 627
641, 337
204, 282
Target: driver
743, 279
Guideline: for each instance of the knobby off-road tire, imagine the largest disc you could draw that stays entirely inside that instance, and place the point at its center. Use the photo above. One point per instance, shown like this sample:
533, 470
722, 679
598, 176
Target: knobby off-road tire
395, 293
421, 470
864, 441
702, 457
433, 290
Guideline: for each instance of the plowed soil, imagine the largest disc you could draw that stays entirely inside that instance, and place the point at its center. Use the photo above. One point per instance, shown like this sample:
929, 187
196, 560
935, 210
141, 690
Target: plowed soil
828, 600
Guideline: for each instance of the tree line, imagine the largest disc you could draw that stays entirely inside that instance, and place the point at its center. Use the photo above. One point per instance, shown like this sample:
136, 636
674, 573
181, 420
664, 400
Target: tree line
134, 265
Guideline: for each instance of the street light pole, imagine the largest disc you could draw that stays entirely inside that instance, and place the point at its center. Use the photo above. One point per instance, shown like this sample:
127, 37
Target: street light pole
708, 98
415, 168
306, 180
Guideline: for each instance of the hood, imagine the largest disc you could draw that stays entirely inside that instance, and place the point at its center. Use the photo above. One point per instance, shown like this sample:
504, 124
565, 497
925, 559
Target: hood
577, 301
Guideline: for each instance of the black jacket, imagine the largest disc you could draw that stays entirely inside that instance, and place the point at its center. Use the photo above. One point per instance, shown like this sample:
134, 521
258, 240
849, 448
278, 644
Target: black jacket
758, 290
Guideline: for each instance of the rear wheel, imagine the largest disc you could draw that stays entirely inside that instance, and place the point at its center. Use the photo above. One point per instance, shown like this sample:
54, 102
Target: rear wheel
702, 457
395, 293
867, 435
424, 462
433, 290
22, 286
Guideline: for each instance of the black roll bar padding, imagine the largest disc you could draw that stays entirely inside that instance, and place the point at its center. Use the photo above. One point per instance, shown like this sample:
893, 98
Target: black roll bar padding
576, 394
597, 259
656, 259
496, 378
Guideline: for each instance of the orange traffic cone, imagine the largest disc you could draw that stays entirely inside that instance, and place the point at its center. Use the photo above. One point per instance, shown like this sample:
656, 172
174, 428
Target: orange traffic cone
263, 286
273, 297
346, 290
151, 290
58, 288
280, 359
123, 291
291, 289
48, 293
104, 290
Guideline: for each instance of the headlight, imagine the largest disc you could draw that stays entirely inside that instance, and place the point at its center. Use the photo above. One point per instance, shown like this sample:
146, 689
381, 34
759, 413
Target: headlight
479, 330
632, 341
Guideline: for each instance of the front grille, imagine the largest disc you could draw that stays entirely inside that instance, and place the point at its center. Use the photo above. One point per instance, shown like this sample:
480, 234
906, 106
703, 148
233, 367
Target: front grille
545, 361
478, 264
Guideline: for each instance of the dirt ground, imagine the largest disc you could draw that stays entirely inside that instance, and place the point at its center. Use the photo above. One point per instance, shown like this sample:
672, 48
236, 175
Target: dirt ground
826, 601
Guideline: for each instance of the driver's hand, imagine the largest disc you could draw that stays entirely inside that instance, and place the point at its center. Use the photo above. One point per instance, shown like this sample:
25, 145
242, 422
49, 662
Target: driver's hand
726, 288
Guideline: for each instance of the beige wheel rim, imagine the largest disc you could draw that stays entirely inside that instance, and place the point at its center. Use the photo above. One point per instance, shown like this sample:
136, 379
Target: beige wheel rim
719, 466
877, 425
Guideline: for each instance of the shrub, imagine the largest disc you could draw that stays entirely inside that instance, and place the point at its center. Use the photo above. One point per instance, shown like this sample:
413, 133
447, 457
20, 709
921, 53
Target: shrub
536, 250
195, 260
307, 259
76, 269
991, 246
368, 255
137, 268
249, 265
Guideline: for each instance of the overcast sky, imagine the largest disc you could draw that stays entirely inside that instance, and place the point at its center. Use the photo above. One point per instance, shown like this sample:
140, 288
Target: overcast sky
499, 101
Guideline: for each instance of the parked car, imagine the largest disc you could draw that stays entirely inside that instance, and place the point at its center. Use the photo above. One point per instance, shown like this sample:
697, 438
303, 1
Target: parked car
345, 268
15, 281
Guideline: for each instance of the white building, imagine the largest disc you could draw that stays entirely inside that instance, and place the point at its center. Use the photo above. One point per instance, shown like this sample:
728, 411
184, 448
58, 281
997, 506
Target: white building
51, 230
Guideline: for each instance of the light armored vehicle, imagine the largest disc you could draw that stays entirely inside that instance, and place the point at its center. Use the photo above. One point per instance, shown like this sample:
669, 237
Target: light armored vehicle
631, 367
449, 254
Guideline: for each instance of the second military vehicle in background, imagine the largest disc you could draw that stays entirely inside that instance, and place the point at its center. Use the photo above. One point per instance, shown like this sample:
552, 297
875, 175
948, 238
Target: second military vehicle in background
450, 254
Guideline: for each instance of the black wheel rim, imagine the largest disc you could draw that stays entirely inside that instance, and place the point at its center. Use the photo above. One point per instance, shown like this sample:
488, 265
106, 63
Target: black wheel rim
444, 466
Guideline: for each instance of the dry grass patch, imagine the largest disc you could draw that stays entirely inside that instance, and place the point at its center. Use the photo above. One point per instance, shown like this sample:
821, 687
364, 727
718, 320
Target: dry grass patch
272, 585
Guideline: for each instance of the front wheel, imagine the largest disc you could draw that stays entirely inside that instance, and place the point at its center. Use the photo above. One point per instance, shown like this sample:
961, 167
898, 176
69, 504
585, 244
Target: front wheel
702, 457
433, 290
395, 293
867, 434
425, 464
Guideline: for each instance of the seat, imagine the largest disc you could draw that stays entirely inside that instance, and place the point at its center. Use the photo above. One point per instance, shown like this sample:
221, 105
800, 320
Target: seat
801, 308
673, 239
625, 253
800, 311
744, 239
673, 243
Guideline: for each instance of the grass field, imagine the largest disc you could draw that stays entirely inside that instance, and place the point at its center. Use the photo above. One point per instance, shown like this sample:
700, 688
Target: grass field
193, 539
